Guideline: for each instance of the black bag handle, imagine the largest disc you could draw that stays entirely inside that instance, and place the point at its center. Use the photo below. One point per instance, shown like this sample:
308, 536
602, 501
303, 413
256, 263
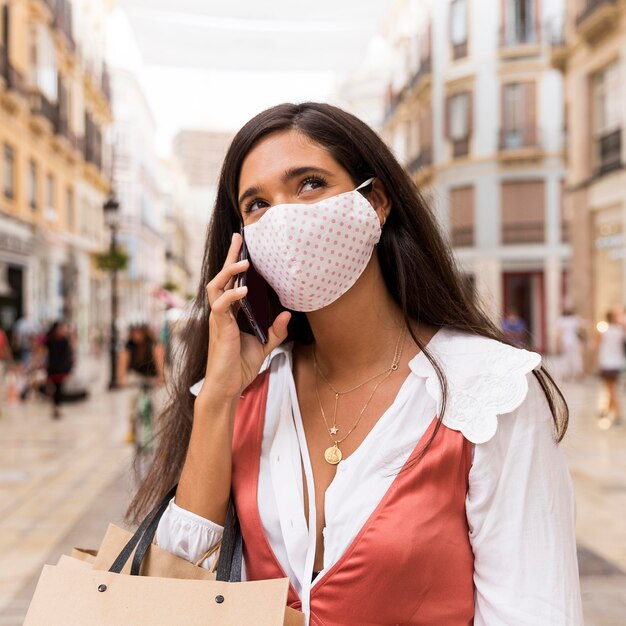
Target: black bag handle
231, 552
147, 528
230, 560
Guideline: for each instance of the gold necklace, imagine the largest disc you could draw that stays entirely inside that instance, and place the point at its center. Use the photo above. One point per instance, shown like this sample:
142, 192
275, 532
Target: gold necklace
333, 454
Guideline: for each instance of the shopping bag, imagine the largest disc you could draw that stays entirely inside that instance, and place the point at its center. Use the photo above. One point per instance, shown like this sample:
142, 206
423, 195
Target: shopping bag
76, 596
157, 562
73, 593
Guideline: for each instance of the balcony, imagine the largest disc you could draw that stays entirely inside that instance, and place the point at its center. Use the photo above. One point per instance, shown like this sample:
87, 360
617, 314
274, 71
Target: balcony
555, 33
609, 152
393, 100
12, 78
519, 40
519, 144
596, 19
460, 147
423, 159
43, 109
424, 71
523, 232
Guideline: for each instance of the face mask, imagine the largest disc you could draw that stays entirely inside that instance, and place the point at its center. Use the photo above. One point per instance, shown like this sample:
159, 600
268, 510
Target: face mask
311, 254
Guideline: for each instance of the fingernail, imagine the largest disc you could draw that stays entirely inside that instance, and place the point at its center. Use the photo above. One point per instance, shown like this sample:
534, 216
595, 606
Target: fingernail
242, 289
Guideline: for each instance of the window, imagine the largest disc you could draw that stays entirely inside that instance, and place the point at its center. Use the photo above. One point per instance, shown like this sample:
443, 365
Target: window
513, 115
458, 28
459, 118
523, 211
42, 59
9, 171
32, 185
462, 216
606, 104
459, 122
519, 123
519, 25
50, 208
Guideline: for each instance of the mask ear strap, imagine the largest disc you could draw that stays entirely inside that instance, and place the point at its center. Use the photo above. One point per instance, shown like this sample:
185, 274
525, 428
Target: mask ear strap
369, 181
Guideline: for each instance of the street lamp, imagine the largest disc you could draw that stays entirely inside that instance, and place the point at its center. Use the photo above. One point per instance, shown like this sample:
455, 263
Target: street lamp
111, 207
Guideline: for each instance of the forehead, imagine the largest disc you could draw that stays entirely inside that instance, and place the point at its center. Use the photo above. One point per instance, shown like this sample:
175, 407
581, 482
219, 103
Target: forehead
278, 152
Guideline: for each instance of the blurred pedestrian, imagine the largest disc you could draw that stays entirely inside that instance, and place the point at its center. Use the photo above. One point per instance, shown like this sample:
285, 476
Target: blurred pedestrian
570, 335
142, 358
6, 359
515, 329
611, 362
60, 361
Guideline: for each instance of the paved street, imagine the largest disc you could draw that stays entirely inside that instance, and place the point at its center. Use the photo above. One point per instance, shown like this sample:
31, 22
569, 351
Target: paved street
62, 482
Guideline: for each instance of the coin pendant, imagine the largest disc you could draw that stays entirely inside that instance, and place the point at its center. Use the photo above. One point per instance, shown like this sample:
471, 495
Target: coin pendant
333, 455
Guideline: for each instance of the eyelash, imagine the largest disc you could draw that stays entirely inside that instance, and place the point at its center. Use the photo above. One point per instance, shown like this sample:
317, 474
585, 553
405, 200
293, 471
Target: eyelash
309, 179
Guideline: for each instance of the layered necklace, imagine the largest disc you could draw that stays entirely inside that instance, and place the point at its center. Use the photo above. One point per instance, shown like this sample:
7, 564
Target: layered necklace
333, 454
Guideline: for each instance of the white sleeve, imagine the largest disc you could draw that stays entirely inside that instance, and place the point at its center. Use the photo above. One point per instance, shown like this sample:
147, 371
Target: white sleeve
521, 515
187, 535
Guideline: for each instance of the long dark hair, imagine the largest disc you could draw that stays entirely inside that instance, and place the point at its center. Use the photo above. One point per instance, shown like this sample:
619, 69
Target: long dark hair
417, 264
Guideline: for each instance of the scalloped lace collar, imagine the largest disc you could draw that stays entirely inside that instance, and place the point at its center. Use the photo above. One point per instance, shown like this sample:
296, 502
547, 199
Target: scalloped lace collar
485, 378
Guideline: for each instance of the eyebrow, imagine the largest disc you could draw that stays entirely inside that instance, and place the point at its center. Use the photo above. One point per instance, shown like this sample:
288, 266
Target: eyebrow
290, 174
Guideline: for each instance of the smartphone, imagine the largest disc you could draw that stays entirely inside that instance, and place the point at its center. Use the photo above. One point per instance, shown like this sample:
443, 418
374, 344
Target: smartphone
255, 306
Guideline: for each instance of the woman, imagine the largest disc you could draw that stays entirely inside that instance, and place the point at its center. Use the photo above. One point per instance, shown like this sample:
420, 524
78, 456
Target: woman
611, 362
59, 363
385, 450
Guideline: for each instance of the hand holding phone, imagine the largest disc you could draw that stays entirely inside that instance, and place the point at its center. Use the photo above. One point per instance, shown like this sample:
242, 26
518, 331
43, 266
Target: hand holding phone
257, 292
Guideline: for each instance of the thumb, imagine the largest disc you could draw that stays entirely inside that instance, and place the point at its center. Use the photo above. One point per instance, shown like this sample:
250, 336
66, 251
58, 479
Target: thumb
277, 332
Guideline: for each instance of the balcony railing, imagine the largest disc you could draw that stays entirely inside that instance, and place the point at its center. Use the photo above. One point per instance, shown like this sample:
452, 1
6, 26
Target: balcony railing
423, 159
518, 138
40, 105
424, 69
12, 78
609, 152
590, 7
460, 147
523, 232
518, 34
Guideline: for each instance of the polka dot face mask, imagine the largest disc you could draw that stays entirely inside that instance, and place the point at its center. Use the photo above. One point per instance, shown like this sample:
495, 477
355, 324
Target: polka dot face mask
311, 254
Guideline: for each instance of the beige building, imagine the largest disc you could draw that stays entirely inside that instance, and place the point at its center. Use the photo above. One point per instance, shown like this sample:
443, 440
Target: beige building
592, 54
475, 112
54, 108
200, 154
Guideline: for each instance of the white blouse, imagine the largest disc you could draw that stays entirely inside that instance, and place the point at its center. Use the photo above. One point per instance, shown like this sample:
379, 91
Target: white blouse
520, 504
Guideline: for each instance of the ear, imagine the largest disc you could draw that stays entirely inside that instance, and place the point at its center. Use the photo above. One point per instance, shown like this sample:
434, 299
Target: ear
379, 199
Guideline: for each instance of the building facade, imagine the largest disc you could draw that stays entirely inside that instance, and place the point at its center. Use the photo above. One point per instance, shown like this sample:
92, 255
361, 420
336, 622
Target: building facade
200, 154
475, 112
141, 215
54, 109
591, 52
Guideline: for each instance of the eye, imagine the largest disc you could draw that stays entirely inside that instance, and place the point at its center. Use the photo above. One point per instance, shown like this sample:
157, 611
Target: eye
311, 183
255, 205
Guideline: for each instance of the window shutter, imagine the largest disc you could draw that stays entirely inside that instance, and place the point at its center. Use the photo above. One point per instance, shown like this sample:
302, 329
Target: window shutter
530, 114
470, 112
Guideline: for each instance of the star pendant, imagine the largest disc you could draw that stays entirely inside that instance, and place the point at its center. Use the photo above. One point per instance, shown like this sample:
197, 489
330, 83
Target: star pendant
334, 430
